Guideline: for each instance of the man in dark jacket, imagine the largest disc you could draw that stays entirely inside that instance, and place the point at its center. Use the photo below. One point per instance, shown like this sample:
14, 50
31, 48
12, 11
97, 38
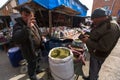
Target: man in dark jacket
27, 36
102, 39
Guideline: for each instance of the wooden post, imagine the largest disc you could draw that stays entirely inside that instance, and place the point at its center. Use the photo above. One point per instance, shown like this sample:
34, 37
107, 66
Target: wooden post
112, 7
50, 22
6, 24
71, 21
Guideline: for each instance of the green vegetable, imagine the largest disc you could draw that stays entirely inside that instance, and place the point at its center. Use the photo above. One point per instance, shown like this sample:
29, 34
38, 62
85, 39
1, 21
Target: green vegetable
60, 53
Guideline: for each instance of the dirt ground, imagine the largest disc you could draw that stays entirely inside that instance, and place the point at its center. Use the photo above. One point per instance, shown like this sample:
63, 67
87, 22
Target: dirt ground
8, 72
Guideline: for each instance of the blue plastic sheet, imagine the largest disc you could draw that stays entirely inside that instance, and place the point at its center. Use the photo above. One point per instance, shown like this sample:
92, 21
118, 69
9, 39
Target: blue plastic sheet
73, 4
22, 1
51, 4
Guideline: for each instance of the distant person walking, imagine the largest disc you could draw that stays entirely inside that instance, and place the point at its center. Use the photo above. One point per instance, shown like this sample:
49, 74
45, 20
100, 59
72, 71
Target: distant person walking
118, 17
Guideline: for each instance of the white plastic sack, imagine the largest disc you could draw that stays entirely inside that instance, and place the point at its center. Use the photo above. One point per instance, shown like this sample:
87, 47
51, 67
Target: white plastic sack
62, 69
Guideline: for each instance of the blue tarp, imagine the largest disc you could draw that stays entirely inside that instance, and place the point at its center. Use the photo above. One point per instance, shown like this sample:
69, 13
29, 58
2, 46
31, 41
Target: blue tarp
51, 4
22, 1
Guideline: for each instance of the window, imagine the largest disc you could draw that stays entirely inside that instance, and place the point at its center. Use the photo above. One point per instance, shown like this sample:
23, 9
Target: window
107, 0
6, 7
106, 7
108, 11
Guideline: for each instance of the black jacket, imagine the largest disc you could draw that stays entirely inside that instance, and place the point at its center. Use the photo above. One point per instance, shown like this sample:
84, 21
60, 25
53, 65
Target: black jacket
22, 37
103, 38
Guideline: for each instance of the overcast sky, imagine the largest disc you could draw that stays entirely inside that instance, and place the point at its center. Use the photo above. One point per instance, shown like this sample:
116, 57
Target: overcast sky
2, 2
88, 4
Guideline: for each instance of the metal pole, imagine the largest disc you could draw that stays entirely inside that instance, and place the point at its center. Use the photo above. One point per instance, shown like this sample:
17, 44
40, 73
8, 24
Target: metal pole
112, 7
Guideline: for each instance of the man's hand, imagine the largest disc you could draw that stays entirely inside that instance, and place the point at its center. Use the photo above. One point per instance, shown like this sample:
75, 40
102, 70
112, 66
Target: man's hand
84, 39
31, 20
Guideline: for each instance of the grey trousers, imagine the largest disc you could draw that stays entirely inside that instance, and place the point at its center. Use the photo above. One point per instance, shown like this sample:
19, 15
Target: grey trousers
95, 65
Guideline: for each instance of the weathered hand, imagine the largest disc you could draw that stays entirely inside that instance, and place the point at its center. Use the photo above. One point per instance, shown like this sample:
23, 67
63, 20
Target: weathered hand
84, 39
31, 21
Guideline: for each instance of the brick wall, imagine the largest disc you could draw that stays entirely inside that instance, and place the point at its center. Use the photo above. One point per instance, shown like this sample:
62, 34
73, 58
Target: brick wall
102, 3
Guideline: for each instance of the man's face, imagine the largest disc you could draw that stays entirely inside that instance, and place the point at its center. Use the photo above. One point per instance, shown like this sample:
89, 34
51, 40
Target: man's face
25, 16
96, 21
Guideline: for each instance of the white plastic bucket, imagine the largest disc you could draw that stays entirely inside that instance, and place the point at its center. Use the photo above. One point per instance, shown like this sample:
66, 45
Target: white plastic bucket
62, 69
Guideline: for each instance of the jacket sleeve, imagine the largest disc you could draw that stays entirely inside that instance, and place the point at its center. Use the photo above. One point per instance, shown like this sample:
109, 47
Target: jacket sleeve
96, 42
20, 34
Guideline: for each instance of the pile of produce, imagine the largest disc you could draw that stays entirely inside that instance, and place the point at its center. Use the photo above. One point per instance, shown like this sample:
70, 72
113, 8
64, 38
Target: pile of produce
77, 50
60, 53
77, 43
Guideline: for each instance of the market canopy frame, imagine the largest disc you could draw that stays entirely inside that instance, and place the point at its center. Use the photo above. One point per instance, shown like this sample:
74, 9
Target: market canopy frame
31, 4
65, 10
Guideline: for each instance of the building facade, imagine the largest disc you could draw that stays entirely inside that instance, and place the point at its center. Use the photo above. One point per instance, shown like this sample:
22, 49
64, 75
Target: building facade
112, 6
7, 8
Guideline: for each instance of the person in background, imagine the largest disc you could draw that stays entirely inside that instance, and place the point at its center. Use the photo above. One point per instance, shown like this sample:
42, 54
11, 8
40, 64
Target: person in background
102, 39
27, 36
118, 19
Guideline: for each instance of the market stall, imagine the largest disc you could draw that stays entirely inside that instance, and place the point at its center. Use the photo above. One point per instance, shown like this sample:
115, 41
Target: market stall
69, 7
5, 32
59, 15
59, 21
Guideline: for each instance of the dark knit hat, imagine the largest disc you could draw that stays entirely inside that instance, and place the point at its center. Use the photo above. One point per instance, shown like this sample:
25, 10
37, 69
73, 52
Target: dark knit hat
99, 12
26, 9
